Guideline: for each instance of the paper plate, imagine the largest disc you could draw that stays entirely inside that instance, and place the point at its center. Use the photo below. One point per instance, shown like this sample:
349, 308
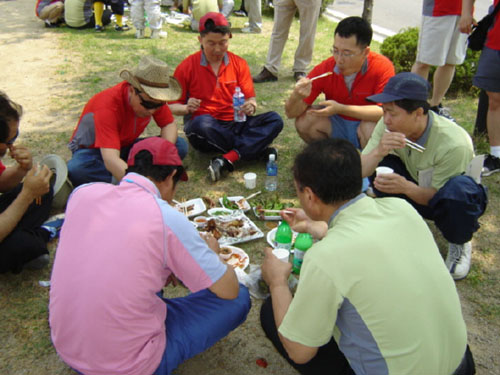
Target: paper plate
272, 234
244, 256
245, 207
198, 207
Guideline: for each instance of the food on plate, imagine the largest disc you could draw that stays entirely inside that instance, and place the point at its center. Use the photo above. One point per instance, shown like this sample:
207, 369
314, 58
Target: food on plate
233, 228
200, 221
232, 258
185, 209
208, 202
225, 253
270, 203
220, 213
227, 203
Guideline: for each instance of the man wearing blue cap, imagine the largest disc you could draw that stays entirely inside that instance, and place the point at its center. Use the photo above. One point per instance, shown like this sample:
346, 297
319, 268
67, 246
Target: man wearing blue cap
429, 155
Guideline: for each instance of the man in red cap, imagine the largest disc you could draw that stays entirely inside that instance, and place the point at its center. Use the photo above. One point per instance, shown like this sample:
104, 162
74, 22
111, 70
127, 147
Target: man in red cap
119, 246
209, 78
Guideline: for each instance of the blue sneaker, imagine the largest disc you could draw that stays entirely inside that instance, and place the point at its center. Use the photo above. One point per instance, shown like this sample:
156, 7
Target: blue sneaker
53, 225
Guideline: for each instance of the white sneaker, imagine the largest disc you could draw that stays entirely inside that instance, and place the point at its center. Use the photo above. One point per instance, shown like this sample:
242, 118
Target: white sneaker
157, 34
458, 259
251, 30
139, 34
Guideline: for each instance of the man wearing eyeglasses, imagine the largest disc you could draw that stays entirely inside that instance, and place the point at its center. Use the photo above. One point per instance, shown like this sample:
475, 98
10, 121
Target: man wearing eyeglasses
24, 205
355, 73
113, 120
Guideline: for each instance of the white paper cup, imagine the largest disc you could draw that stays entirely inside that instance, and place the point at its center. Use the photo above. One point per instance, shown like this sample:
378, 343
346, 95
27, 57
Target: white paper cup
383, 170
282, 254
250, 180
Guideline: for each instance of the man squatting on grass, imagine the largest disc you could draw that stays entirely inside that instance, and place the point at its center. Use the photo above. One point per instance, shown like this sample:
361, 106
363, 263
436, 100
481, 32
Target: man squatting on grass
107, 314
209, 78
23, 240
114, 119
374, 295
452, 200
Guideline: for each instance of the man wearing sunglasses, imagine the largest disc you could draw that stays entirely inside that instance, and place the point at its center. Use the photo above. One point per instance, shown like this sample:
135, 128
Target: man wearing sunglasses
24, 205
113, 120
355, 73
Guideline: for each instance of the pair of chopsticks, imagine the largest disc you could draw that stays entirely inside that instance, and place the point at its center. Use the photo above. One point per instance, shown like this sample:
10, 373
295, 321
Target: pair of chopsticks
253, 195
320, 76
274, 211
411, 144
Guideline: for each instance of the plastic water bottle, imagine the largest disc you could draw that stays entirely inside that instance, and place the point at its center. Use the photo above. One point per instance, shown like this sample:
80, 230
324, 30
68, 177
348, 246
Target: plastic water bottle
238, 101
302, 243
271, 173
283, 237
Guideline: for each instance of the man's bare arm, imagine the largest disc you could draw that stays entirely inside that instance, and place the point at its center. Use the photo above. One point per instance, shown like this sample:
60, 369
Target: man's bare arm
113, 163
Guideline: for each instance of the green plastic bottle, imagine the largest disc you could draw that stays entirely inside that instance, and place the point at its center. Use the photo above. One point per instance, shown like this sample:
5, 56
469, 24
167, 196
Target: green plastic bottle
283, 237
302, 243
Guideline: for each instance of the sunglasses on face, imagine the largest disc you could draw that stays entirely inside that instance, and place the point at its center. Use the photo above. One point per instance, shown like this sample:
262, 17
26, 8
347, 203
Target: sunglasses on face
11, 141
148, 104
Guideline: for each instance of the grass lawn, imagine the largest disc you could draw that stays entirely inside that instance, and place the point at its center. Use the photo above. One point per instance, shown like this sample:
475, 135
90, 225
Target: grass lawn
94, 63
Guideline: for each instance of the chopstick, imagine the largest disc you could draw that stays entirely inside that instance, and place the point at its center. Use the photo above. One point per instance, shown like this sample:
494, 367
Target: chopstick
321, 76
411, 144
274, 211
253, 195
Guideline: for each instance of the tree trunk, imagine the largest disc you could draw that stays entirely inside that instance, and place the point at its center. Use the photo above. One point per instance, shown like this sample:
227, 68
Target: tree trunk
367, 11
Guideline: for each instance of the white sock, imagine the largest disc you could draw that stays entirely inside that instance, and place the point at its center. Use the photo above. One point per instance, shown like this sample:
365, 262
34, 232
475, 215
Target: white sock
495, 151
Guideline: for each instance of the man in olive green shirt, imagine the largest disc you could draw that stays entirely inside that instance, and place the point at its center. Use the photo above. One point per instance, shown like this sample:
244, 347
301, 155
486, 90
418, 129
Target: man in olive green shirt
429, 155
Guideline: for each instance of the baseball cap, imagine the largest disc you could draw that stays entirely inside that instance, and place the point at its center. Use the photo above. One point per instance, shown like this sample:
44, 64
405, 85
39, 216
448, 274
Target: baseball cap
403, 86
217, 18
163, 152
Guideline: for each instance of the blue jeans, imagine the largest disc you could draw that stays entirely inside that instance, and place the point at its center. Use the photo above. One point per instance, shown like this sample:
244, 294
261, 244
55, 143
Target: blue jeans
345, 129
455, 208
249, 138
196, 322
87, 165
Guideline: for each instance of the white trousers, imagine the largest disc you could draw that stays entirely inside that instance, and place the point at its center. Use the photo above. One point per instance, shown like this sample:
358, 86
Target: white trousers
153, 12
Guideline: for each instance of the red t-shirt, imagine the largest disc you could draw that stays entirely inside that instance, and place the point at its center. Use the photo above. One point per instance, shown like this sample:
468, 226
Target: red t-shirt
371, 80
437, 8
199, 81
2, 168
108, 120
493, 40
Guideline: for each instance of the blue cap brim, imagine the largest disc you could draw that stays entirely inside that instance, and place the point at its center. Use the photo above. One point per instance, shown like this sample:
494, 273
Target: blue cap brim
383, 98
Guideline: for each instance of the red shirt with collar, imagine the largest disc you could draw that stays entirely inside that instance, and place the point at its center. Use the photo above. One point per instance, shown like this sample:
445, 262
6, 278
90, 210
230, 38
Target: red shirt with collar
493, 40
199, 81
437, 8
371, 80
108, 120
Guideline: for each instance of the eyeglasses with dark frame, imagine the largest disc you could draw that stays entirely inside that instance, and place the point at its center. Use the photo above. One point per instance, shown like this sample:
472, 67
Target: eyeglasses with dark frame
11, 141
348, 55
146, 103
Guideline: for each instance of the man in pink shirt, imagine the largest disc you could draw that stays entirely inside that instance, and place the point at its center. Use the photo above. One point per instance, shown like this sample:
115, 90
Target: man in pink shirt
119, 246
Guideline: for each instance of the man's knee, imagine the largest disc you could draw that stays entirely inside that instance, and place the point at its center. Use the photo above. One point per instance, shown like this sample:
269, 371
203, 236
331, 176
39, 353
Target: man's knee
493, 100
199, 125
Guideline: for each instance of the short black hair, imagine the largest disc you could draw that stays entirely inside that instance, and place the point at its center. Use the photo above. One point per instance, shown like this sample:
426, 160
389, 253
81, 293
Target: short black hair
331, 168
411, 105
145, 167
210, 27
355, 26
9, 111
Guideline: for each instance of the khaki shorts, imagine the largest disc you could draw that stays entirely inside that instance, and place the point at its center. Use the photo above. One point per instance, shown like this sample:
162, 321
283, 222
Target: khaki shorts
440, 41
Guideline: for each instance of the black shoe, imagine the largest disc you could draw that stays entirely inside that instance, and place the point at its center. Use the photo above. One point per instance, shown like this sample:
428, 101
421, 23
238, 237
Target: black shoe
265, 76
122, 28
441, 111
38, 263
491, 165
99, 29
240, 13
217, 166
298, 75
269, 151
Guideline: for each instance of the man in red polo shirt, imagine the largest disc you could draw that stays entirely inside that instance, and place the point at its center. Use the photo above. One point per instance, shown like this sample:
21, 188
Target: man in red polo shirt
209, 79
354, 73
113, 119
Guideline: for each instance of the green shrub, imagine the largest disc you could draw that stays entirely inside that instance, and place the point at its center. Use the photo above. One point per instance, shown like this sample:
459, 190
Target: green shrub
401, 49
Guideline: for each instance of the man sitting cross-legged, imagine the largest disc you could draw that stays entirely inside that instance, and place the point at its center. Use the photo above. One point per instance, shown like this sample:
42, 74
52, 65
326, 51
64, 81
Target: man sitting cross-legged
209, 79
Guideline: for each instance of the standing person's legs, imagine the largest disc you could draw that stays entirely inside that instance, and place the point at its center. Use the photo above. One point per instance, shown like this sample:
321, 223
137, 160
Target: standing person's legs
328, 360
196, 322
309, 14
153, 12
254, 8
493, 122
284, 11
227, 8
137, 14
256, 134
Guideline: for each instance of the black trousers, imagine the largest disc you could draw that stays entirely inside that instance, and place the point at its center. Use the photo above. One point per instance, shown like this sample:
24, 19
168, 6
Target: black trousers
329, 359
27, 241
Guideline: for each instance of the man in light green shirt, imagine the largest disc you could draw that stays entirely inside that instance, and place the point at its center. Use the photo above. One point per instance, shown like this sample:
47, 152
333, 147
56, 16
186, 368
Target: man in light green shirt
201, 7
374, 295
428, 155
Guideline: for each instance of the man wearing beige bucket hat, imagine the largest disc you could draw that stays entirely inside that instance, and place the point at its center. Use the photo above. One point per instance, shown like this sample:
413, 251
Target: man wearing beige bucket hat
113, 120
